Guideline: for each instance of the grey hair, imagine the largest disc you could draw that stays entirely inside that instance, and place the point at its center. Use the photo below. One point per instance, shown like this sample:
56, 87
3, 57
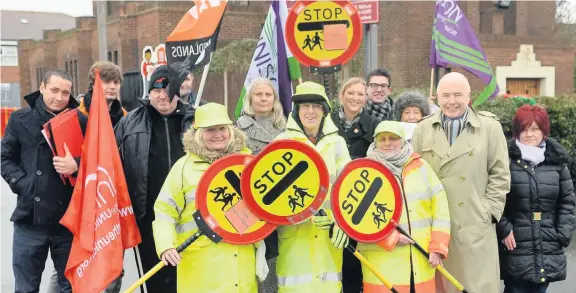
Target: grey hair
411, 98
277, 110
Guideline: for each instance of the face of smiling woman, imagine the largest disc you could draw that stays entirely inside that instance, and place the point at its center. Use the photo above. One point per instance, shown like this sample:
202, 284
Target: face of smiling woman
311, 115
216, 138
353, 99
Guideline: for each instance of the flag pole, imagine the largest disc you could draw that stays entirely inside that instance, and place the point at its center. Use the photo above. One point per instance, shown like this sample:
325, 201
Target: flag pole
432, 82
202, 83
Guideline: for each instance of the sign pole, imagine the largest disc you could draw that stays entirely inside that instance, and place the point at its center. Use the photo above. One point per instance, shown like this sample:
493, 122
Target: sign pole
326, 79
373, 46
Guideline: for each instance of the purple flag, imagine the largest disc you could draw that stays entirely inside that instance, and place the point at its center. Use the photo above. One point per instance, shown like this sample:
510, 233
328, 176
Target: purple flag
455, 43
284, 82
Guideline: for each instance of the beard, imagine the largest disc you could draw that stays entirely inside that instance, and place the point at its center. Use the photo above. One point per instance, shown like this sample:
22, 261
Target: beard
185, 92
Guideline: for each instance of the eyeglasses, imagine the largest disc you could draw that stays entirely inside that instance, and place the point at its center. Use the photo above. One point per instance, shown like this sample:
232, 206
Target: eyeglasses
375, 86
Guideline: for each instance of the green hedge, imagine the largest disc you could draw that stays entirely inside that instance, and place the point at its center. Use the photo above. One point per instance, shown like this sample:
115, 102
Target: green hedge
562, 115
561, 110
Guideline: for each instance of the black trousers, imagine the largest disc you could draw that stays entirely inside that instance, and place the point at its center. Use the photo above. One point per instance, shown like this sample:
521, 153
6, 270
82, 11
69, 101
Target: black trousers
164, 281
30, 250
351, 271
515, 286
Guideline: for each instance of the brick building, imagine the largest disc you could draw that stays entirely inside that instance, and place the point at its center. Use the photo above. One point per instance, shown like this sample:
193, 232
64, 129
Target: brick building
131, 25
522, 46
521, 43
17, 25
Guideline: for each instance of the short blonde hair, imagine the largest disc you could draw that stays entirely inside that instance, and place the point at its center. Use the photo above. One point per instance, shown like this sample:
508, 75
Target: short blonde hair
199, 131
277, 109
350, 82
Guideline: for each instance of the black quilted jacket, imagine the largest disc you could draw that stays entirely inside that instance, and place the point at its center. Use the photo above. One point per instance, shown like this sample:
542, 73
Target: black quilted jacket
540, 211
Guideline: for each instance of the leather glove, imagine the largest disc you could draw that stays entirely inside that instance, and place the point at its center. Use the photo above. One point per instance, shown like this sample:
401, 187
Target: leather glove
261, 264
322, 222
339, 238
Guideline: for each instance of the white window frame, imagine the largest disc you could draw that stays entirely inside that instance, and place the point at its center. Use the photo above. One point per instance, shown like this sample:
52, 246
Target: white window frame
9, 58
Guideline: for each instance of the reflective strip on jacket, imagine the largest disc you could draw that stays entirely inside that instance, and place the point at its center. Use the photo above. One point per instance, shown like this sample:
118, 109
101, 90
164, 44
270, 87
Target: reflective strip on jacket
205, 266
426, 217
307, 261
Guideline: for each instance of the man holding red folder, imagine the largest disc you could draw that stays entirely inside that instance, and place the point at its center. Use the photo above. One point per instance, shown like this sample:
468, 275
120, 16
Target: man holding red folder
33, 173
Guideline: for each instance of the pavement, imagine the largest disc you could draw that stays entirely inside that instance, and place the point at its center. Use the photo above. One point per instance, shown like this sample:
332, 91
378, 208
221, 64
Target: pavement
8, 202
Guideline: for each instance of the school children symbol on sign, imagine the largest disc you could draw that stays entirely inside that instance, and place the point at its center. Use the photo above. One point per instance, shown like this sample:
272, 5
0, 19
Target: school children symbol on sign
286, 182
219, 199
323, 33
367, 200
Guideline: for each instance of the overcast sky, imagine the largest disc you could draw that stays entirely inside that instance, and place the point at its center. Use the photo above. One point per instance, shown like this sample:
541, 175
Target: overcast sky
77, 7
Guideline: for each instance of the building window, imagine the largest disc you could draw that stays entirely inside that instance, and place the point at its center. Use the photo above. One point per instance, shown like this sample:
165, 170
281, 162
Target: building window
109, 7
8, 56
510, 19
116, 57
66, 66
71, 70
39, 76
109, 56
486, 11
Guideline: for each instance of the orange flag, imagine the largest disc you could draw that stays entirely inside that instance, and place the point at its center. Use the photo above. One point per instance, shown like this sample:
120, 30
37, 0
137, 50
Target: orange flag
192, 42
100, 214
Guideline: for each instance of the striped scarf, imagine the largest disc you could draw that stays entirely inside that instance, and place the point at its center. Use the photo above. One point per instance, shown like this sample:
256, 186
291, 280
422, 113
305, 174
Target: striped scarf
345, 123
453, 127
381, 111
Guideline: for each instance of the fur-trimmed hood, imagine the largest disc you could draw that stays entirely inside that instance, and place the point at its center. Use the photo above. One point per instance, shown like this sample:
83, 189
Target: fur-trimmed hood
411, 98
555, 153
191, 147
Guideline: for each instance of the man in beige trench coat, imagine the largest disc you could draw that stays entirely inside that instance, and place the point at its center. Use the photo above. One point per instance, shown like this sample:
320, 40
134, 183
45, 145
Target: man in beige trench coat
468, 151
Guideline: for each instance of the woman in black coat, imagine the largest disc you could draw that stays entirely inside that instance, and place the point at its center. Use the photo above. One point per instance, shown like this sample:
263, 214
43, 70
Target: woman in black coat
357, 127
538, 220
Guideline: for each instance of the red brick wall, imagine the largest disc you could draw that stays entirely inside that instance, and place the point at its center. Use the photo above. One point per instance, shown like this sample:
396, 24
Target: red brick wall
404, 38
9, 74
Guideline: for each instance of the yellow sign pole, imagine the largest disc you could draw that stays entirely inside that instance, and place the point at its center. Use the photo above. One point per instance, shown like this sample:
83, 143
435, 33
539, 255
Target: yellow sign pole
160, 265
440, 268
364, 261
372, 269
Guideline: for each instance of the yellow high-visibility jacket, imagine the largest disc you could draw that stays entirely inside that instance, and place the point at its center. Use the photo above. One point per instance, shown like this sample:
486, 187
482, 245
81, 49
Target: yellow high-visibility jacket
307, 261
205, 267
426, 217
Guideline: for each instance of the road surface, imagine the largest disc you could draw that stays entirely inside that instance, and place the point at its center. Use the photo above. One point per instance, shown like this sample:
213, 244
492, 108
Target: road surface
8, 201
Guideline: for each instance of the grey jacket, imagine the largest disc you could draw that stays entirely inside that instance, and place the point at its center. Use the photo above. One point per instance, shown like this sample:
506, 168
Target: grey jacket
259, 132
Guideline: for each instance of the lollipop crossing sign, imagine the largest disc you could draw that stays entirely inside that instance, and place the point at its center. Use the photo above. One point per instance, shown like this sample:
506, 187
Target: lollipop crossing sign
368, 199
323, 34
286, 183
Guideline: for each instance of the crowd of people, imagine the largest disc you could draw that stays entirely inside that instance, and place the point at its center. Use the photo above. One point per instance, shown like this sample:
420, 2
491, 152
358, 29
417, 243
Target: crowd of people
486, 208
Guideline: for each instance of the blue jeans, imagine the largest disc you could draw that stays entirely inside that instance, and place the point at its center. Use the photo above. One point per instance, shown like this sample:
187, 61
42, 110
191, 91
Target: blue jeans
31, 244
514, 286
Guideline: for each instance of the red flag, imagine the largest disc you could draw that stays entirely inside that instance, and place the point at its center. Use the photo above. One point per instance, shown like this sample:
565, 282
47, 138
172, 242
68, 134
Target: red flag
100, 214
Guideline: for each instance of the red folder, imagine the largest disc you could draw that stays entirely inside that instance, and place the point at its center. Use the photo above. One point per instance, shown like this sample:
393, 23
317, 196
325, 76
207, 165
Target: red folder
65, 129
